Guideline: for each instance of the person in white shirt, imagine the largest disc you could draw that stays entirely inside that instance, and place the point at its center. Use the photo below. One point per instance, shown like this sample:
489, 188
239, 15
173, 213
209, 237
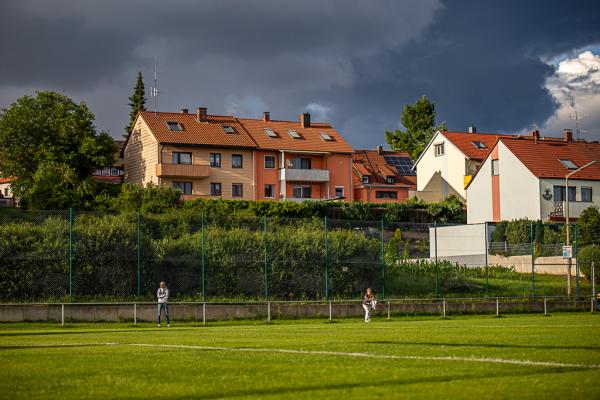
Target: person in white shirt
369, 303
163, 299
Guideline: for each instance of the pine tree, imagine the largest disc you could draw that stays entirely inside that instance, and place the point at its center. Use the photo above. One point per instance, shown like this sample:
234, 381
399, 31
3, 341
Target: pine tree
137, 102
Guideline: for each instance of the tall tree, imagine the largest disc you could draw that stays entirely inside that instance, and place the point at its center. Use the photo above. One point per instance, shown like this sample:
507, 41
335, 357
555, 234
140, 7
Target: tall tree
50, 131
137, 102
419, 121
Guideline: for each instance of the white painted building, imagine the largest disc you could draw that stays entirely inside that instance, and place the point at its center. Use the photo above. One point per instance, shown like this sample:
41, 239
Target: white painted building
6, 194
524, 177
449, 161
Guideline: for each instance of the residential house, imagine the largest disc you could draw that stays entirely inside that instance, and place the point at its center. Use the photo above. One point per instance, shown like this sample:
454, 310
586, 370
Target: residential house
382, 176
238, 158
299, 160
6, 195
112, 173
524, 177
449, 161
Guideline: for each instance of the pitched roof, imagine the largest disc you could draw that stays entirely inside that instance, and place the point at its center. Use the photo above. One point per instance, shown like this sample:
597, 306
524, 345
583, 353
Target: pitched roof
197, 133
543, 157
6, 180
310, 140
465, 142
370, 162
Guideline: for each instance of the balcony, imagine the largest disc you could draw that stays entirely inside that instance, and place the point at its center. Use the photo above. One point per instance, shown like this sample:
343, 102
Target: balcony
304, 175
575, 209
182, 170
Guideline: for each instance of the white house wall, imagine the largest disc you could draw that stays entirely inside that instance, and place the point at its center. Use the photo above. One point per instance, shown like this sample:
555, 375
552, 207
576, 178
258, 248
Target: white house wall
547, 206
451, 167
479, 195
519, 188
457, 240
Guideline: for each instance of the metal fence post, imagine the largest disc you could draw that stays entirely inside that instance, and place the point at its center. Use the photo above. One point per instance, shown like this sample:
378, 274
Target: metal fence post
266, 266
382, 264
135, 313
326, 242
437, 285
62, 314
444, 307
139, 256
204, 313
532, 247
487, 269
388, 309
268, 311
497, 307
576, 261
202, 284
593, 279
70, 254
330, 310
545, 306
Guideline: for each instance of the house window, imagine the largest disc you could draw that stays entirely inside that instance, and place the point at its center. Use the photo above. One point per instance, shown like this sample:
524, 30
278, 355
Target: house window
105, 171
269, 162
269, 191
366, 179
174, 126
181, 158
215, 160
6, 192
479, 145
294, 134
439, 149
114, 171
326, 136
339, 191
237, 190
389, 180
586, 194
380, 194
215, 189
301, 192
236, 161
495, 167
559, 193
301, 163
270, 133
98, 172
228, 128
185, 187
568, 164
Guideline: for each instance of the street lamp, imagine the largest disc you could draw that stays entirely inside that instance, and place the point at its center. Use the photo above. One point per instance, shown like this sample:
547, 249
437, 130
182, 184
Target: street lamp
567, 176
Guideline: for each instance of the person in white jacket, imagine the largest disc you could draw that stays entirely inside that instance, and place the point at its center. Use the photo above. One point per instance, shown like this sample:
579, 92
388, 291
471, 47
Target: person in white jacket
163, 300
369, 303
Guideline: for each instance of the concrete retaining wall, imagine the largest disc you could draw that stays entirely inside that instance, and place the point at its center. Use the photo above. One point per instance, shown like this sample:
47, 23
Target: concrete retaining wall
213, 312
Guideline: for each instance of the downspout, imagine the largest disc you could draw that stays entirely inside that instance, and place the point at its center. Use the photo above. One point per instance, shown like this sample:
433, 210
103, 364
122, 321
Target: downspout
254, 187
351, 183
160, 150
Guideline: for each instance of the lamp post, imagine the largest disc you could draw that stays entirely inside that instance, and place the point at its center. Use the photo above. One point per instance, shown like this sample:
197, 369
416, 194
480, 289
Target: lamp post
567, 176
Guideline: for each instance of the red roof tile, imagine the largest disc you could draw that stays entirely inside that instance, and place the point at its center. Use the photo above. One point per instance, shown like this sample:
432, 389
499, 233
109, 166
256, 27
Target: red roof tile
543, 158
6, 180
310, 140
464, 141
197, 133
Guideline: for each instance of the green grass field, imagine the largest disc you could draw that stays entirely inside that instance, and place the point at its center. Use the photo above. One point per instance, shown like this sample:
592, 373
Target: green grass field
521, 356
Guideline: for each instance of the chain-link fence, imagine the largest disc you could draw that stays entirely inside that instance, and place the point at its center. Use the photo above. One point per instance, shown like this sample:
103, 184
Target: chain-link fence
82, 256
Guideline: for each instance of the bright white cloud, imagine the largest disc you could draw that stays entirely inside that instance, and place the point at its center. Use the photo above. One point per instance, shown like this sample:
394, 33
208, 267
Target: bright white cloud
575, 86
245, 106
321, 112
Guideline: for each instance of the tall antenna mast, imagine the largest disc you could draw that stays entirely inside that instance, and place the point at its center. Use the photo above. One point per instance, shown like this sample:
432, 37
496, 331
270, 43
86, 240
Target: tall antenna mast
154, 92
576, 117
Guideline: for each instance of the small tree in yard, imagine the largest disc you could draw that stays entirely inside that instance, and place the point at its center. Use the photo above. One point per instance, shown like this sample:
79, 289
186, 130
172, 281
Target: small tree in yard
137, 102
588, 226
586, 257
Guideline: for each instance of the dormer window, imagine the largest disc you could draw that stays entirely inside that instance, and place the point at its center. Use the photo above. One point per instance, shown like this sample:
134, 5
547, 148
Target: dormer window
294, 134
390, 180
228, 128
174, 126
439, 149
325, 136
479, 145
366, 179
568, 164
270, 133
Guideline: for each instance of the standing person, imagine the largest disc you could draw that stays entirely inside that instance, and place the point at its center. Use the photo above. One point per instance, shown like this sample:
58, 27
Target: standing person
163, 299
369, 303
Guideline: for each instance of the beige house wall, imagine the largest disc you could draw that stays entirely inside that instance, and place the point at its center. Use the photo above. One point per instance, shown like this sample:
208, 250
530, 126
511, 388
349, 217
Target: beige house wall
141, 156
225, 175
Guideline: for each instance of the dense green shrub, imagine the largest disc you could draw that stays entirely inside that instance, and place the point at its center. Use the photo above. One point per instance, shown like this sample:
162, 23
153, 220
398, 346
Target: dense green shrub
588, 226
518, 231
585, 258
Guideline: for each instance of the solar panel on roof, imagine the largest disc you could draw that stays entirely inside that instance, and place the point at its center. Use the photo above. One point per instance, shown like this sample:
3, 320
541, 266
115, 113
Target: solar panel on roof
402, 164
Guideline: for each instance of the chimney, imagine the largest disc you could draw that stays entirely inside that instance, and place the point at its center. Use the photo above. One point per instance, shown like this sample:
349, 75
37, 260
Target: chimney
472, 129
305, 120
567, 135
536, 135
266, 116
184, 110
201, 114
380, 150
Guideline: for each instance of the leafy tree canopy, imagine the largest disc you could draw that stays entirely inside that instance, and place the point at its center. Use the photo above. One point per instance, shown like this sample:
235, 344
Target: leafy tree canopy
50, 131
419, 121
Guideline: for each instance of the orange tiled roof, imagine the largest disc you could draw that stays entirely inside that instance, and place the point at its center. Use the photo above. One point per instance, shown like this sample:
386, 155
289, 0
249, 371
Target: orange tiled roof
542, 157
6, 180
464, 141
370, 162
195, 132
310, 141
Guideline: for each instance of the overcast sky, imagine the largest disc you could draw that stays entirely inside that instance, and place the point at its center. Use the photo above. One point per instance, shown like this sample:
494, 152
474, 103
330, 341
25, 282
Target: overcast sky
503, 66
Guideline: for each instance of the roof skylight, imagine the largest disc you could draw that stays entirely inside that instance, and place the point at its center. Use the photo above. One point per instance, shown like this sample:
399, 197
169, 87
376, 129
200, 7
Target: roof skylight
174, 126
326, 136
568, 164
228, 128
294, 134
479, 145
270, 133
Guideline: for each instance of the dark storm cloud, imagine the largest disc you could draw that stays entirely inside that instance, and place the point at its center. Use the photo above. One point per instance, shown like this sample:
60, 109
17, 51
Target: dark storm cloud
354, 62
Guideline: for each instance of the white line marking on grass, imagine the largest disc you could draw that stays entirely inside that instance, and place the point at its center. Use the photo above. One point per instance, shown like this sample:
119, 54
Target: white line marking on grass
367, 355
327, 353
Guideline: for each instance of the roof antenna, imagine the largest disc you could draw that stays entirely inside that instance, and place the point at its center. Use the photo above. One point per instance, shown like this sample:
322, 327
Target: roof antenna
154, 92
576, 117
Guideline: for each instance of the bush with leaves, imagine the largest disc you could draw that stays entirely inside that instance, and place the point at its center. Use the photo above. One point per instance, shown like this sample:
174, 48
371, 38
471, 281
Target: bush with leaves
585, 258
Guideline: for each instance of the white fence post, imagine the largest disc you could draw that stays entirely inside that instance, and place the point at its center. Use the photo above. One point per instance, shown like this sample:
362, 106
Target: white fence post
330, 310
497, 307
204, 314
444, 308
268, 311
62, 314
135, 313
388, 309
545, 306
